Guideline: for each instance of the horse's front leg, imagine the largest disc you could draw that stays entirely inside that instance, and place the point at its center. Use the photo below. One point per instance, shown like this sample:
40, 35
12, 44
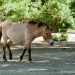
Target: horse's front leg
4, 53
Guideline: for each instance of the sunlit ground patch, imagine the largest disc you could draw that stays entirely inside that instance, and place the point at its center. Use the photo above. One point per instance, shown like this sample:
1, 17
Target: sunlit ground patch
37, 69
42, 61
5, 65
56, 58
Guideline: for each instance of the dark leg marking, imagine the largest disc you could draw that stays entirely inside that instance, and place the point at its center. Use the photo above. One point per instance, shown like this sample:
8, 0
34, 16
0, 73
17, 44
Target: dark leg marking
10, 53
4, 55
0, 35
21, 57
29, 51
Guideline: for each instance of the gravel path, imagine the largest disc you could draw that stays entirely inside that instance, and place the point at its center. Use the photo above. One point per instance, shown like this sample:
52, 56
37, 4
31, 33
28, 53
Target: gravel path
46, 61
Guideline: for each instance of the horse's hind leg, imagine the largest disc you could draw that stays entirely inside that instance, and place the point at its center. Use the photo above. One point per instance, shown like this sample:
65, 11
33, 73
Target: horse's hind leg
4, 55
10, 53
29, 51
21, 57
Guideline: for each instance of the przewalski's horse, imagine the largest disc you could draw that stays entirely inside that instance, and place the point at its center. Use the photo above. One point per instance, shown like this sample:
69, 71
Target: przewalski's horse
23, 34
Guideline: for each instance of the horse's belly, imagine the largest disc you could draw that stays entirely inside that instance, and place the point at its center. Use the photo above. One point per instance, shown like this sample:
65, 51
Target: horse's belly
16, 38
16, 35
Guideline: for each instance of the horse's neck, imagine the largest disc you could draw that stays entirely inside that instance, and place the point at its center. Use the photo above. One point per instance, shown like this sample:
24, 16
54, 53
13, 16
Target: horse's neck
34, 31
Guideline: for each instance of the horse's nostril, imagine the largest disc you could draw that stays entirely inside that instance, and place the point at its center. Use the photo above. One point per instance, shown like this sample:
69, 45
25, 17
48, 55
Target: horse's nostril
51, 42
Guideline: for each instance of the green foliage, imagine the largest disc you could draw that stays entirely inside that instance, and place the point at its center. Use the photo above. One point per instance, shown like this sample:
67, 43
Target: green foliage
73, 8
57, 13
60, 37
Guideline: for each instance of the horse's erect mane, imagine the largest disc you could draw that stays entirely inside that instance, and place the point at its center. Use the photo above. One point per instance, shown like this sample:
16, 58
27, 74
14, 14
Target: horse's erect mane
38, 23
32, 22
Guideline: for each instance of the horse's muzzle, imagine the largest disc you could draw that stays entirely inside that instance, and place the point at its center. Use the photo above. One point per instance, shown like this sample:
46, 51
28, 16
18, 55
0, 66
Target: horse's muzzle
51, 42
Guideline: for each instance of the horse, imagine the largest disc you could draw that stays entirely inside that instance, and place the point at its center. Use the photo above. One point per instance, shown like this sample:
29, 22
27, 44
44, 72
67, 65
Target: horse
22, 34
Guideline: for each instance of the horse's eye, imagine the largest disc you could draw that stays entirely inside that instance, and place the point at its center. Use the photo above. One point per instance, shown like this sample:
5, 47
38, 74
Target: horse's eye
47, 33
51, 29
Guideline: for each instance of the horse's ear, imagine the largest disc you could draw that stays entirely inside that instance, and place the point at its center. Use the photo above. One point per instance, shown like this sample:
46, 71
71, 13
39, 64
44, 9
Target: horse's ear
32, 22
50, 28
40, 24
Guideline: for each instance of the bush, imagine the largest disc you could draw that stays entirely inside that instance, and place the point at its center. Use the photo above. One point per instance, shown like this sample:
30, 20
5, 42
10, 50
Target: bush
60, 37
57, 13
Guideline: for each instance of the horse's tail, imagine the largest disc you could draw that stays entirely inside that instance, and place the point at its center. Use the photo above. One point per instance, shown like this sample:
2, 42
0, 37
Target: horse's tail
2, 24
0, 31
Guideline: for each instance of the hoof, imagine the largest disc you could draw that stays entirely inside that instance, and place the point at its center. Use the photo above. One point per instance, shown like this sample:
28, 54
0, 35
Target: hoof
10, 58
25, 61
30, 60
4, 58
20, 59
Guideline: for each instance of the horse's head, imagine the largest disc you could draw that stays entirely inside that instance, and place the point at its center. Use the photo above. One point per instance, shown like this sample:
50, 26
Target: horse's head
41, 29
46, 32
